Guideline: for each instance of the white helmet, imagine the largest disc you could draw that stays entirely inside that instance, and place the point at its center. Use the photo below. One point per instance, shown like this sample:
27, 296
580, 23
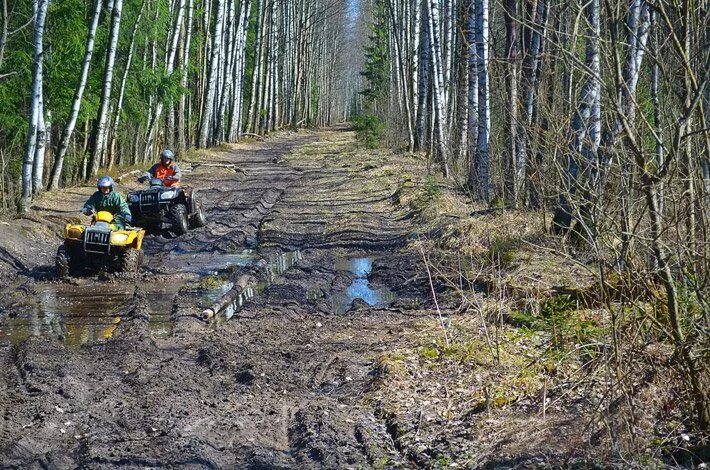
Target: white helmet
167, 154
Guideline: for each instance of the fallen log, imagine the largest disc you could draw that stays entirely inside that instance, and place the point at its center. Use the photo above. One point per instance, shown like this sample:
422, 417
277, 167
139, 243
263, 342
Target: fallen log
254, 136
229, 166
134, 172
242, 283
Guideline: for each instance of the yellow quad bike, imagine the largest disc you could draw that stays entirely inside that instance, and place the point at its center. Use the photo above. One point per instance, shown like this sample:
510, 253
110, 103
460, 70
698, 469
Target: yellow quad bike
100, 245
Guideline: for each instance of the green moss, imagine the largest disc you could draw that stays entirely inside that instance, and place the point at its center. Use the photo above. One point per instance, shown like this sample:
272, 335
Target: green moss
211, 282
429, 353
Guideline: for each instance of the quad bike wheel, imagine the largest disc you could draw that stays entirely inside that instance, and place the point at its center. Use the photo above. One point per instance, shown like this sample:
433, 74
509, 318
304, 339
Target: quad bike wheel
198, 219
178, 217
62, 262
130, 261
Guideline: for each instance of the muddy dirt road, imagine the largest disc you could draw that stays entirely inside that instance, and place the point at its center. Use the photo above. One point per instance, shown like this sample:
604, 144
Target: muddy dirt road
111, 371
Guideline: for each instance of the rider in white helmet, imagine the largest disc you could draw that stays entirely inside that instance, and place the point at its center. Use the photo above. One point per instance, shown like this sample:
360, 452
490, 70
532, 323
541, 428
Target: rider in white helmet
106, 199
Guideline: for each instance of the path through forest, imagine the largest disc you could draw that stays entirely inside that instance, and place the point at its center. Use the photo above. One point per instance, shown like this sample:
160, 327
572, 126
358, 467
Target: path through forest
283, 383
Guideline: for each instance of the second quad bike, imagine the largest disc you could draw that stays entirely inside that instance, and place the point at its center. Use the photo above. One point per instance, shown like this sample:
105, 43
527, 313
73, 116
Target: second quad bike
160, 207
99, 245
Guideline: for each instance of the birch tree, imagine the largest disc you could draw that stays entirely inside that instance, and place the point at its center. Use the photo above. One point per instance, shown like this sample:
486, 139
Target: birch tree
439, 96
479, 178
208, 105
582, 168
78, 95
36, 111
100, 127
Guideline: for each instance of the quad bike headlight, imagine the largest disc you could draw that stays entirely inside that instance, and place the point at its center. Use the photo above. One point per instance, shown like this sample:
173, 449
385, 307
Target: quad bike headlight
133, 198
74, 232
167, 195
119, 238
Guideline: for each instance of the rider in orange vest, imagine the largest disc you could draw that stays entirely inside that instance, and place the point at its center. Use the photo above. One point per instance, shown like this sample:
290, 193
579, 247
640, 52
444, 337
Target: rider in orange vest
165, 170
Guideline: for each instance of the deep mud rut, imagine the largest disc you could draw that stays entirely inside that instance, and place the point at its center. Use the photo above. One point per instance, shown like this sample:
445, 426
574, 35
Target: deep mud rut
284, 383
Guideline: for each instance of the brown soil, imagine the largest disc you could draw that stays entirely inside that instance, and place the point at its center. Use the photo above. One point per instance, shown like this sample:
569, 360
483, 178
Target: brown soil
286, 382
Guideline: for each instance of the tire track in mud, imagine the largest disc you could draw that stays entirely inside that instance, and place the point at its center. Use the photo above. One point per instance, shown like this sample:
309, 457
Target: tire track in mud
280, 385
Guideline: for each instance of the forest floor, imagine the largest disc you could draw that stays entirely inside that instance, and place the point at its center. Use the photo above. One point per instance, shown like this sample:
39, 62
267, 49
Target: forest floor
340, 357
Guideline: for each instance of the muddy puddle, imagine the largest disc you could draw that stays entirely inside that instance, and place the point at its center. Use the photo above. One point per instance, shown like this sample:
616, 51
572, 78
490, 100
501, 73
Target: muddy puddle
90, 312
86, 313
205, 264
360, 288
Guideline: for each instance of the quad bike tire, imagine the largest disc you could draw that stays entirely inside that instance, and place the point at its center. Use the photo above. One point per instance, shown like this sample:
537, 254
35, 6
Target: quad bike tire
198, 219
178, 217
63, 263
130, 261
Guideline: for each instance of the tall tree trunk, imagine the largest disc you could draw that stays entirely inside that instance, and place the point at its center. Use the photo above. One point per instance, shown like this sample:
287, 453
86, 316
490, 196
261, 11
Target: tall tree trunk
472, 89
532, 48
687, 167
41, 147
182, 109
660, 157
424, 81
122, 87
585, 134
512, 179
40, 7
238, 102
399, 55
171, 52
439, 96
208, 106
102, 118
3, 30
78, 95
482, 155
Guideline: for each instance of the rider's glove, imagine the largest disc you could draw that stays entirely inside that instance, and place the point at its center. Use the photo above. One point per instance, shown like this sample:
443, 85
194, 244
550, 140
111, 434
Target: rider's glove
86, 211
128, 218
142, 179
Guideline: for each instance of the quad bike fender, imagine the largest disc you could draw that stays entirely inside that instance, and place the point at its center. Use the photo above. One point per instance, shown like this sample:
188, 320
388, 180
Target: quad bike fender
73, 231
129, 238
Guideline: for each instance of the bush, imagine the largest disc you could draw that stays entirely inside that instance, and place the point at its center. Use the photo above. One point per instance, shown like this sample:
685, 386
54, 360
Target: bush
369, 130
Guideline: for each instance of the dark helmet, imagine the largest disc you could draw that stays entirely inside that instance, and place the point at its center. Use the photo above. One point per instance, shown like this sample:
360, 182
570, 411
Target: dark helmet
105, 182
167, 155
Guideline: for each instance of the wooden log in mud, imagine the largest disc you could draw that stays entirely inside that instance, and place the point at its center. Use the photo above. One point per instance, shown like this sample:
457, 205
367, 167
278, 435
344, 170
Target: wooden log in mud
130, 173
228, 166
242, 283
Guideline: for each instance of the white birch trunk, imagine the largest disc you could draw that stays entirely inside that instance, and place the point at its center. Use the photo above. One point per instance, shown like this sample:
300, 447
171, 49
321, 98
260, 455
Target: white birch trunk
439, 98
482, 166
182, 140
208, 107
585, 126
41, 148
122, 86
472, 87
78, 95
40, 7
238, 103
100, 132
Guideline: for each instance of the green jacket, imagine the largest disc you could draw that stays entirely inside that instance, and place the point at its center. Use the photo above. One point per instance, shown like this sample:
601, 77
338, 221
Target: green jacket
112, 202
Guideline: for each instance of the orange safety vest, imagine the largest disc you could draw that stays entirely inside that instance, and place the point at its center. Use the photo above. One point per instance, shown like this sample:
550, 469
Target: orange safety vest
162, 172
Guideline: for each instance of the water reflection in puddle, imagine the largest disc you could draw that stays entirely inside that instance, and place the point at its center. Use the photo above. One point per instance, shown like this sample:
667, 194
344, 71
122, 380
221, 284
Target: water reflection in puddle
208, 263
360, 288
86, 313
